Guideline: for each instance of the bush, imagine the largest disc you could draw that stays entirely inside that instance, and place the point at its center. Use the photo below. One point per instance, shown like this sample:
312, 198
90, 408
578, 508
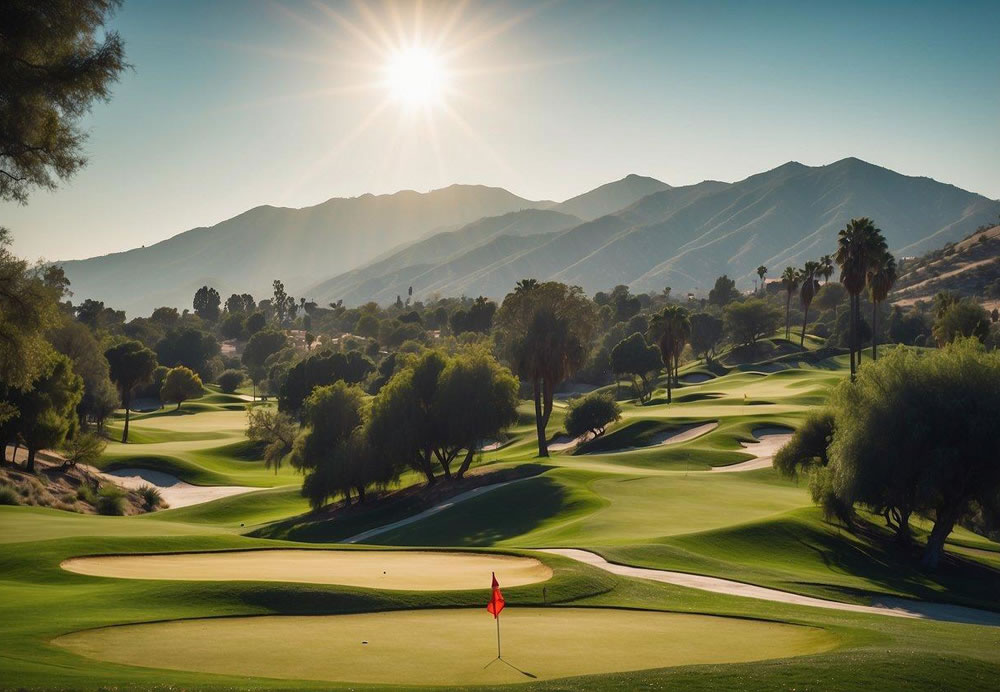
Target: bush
111, 501
86, 494
592, 413
151, 496
230, 380
8, 495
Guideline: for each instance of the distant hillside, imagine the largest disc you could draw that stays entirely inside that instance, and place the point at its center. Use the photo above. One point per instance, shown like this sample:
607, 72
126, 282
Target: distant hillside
298, 246
612, 197
685, 237
391, 275
970, 267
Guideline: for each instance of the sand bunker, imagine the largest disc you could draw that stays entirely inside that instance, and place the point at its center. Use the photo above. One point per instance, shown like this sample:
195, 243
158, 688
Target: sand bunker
695, 378
376, 569
564, 442
771, 440
175, 492
446, 647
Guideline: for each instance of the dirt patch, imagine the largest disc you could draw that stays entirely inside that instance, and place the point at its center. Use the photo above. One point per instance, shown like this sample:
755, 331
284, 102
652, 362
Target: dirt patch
68, 488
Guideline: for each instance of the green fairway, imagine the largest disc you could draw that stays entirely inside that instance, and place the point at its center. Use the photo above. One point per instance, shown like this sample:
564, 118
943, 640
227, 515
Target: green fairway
167, 597
446, 647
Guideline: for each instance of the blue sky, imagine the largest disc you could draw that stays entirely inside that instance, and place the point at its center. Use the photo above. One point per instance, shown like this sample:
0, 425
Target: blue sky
236, 103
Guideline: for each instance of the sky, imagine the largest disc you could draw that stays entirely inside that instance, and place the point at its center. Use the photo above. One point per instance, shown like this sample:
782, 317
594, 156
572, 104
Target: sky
233, 104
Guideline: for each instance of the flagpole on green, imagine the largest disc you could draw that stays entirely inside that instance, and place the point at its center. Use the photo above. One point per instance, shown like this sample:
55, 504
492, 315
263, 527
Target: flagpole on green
498, 635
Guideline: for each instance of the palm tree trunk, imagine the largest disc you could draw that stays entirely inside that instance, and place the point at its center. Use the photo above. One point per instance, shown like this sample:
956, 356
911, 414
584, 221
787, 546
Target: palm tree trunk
788, 306
127, 402
543, 448
874, 331
850, 338
805, 319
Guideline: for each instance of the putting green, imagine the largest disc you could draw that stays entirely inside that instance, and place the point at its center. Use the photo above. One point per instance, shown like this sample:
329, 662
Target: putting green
376, 569
446, 647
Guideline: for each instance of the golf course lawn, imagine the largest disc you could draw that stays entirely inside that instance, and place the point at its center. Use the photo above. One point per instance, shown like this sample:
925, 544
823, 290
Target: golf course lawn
374, 569
406, 647
253, 591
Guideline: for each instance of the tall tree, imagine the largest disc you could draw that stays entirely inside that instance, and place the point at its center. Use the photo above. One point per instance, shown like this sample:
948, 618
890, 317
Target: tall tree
545, 331
47, 409
56, 59
810, 286
881, 277
262, 345
640, 361
670, 329
280, 301
790, 281
477, 399
825, 268
857, 245
206, 303
132, 364
762, 272
706, 334
724, 292
27, 309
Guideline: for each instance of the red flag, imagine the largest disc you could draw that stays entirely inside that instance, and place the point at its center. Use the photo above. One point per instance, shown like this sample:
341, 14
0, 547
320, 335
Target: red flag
496, 603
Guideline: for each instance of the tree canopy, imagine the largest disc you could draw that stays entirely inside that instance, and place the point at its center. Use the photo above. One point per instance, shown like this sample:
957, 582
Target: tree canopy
56, 59
544, 331
640, 361
131, 364
591, 414
180, 384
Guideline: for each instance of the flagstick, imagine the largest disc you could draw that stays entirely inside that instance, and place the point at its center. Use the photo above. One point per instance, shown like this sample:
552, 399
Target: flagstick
498, 636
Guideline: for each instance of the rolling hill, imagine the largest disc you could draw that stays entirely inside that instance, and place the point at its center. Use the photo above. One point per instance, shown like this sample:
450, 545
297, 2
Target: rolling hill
684, 237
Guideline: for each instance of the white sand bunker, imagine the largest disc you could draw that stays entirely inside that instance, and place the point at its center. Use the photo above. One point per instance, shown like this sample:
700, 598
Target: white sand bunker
175, 492
564, 442
771, 439
376, 569
450, 647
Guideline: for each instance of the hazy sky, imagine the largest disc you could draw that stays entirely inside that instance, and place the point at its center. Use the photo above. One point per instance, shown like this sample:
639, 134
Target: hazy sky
236, 103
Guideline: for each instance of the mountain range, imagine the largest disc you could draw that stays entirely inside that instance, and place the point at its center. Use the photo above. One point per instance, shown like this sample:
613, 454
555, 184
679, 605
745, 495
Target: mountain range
478, 240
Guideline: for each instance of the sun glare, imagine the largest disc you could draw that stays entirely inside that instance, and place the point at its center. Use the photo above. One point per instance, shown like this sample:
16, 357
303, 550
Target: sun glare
416, 76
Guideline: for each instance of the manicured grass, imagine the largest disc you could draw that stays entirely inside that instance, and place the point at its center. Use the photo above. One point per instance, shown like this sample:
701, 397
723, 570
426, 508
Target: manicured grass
658, 507
447, 647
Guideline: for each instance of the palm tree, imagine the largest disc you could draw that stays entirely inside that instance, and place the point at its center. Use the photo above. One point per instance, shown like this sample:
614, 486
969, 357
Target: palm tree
857, 244
806, 294
881, 277
790, 280
670, 329
762, 272
825, 268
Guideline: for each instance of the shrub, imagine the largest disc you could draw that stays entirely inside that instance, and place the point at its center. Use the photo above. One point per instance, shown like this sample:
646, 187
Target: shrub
86, 494
8, 495
111, 501
230, 380
151, 496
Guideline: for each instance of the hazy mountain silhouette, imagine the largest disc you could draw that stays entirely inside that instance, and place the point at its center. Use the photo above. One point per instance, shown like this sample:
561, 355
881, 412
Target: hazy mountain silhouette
303, 246
298, 246
611, 197
478, 240
684, 237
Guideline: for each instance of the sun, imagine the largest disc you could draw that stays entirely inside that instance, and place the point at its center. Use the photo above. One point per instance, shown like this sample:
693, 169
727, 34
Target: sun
416, 77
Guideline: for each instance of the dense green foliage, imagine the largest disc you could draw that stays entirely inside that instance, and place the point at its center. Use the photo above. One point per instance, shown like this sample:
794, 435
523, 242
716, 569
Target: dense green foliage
591, 414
